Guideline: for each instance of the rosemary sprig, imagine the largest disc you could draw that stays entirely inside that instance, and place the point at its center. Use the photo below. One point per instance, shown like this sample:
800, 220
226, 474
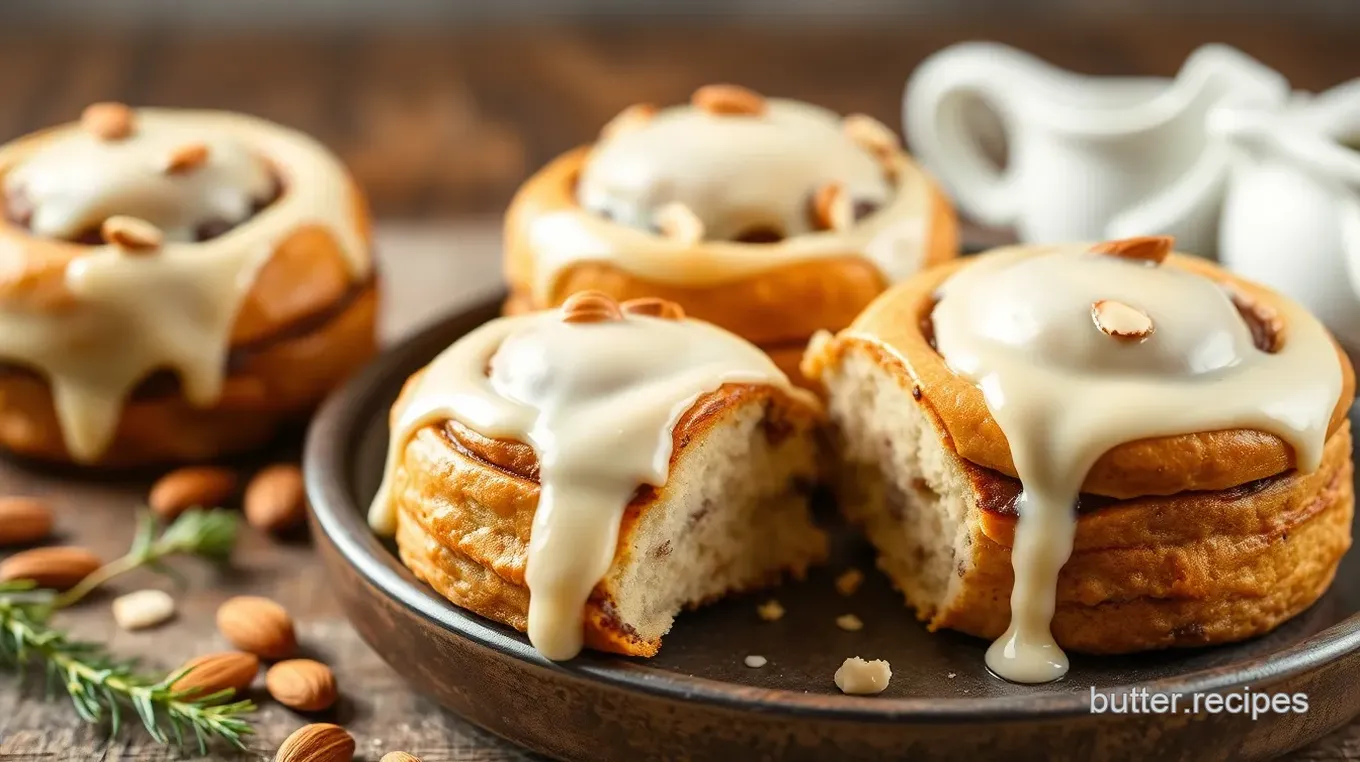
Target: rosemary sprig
102, 687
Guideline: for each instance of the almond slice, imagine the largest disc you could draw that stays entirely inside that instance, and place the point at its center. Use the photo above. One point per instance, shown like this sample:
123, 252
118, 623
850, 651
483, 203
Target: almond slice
132, 235
654, 307
590, 307
679, 222
1149, 248
832, 208
628, 120
871, 134
1120, 320
728, 100
107, 121
186, 158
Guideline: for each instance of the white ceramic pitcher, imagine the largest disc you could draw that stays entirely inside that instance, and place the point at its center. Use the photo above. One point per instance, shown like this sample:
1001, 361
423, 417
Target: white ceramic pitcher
1089, 157
1291, 216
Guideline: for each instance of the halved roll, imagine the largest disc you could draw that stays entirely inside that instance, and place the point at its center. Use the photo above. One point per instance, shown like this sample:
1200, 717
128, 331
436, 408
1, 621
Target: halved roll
771, 218
177, 285
1180, 433
586, 473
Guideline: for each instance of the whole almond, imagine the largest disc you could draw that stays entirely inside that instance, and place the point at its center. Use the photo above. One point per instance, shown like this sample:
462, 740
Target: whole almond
832, 208
195, 486
257, 625
1121, 321
679, 223
186, 158
211, 673
654, 307
590, 307
728, 100
1149, 248
24, 520
142, 609
107, 121
132, 235
399, 756
275, 500
629, 120
302, 684
871, 134
318, 742
57, 568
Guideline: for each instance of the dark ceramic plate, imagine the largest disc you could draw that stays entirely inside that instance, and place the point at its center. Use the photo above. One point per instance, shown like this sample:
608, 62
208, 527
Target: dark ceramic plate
697, 700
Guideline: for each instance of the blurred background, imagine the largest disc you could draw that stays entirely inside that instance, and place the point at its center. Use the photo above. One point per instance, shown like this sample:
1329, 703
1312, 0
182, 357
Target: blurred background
442, 108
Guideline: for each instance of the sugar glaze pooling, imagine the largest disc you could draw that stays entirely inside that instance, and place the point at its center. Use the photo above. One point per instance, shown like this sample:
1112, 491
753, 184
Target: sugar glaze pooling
1064, 392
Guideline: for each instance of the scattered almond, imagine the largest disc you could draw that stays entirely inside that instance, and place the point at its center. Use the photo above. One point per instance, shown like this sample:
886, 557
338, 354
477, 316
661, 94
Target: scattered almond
57, 568
132, 235
302, 684
832, 208
728, 100
211, 673
849, 623
849, 582
24, 520
770, 611
399, 756
857, 676
318, 742
257, 625
1120, 320
654, 307
678, 222
629, 120
107, 121
195, 486
186, 158
275, 500
143, 609
1149, 248
871, 134
590, 307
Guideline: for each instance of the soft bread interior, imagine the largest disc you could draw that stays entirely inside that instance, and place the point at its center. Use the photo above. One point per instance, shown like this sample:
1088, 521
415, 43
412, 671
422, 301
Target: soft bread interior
734, 515
900, 484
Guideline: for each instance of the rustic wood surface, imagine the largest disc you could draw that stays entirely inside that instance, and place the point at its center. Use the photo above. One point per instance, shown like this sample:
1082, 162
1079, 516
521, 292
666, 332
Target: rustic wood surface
444, 124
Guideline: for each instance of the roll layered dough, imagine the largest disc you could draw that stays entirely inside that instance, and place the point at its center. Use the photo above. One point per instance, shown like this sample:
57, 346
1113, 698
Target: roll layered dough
583, 474
771, 218
176, 285
1196, 421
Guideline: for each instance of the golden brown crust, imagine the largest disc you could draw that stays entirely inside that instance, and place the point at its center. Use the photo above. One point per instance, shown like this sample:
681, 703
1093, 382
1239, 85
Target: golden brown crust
1185, 570
306, 275
787, 303
273, 384
891, 329
465, 506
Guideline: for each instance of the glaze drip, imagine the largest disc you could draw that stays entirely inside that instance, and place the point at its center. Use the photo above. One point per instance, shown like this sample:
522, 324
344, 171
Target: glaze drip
597, 401
1064, 391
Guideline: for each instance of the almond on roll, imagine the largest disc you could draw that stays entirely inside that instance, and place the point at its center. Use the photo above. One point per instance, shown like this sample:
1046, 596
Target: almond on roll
771, 218
177, 285
583, 474
1101, 449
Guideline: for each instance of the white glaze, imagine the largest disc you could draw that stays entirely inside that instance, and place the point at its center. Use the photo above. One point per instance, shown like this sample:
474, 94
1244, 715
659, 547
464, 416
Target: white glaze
175, 307
1064, 393
597, 402
732, 171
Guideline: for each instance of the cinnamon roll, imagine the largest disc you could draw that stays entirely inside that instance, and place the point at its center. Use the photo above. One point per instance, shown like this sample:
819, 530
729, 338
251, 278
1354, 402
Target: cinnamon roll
174, 285
1101, 449
771, 218
582, 474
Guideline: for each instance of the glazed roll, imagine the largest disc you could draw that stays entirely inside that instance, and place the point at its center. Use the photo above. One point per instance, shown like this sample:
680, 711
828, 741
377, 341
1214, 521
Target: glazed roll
178, 284
771, 218
582, 474
1104, 449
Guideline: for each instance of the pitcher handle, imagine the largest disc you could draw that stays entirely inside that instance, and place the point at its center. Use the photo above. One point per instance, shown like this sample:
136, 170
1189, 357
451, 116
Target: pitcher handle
935, 116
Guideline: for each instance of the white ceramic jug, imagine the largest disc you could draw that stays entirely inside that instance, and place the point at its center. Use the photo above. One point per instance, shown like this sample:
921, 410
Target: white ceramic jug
1291, 216
1089, 157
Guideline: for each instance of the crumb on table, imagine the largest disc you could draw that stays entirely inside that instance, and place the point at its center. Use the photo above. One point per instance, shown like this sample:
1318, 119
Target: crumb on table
849, 582
770, 611
849, 623
755, 661
860, 677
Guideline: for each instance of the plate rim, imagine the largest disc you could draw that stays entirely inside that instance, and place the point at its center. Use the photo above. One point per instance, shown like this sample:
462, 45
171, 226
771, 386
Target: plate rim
329, 449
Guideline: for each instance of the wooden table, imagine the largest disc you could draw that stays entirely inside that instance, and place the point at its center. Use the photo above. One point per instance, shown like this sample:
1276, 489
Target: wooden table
428, 271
